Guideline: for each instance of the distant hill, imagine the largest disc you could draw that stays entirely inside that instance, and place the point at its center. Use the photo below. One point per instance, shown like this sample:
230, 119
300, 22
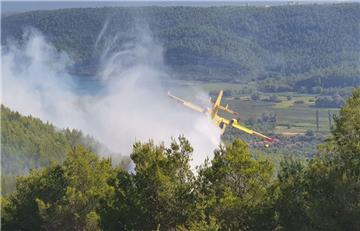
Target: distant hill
27, 143
232, 43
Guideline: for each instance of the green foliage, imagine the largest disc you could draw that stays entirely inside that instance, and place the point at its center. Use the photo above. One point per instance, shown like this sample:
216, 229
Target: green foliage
346, 135
60, 197
21, 211
234, 187
165, 178
336, 176
86, 178
234, 43
27, 143
329, 102
158, 195
318, 81
291, 195
325, 194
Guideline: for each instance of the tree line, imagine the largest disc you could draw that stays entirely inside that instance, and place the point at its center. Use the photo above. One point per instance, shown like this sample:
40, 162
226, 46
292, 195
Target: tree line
231, 191
27, 143
230, 43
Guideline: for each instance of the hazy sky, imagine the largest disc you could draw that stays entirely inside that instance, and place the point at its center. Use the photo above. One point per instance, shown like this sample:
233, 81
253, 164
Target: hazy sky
20, 6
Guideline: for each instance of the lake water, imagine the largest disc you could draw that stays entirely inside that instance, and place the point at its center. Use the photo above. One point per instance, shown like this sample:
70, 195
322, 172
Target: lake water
87, 85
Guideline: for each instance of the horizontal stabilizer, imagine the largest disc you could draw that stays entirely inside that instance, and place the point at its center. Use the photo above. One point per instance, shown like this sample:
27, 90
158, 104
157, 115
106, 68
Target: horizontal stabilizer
226, 109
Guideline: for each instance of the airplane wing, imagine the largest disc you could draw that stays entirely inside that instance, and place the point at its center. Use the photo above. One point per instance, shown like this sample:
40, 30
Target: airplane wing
234, 123
187, 104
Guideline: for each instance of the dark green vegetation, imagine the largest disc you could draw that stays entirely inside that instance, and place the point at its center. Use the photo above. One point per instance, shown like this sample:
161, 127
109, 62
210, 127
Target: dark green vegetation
285, 48
235, 192
27, 143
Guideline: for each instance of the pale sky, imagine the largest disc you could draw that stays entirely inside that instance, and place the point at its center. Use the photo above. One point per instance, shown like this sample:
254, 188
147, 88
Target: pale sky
27, 5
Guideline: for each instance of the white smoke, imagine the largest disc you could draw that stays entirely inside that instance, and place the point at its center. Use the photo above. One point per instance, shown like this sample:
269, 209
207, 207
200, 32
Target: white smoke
133, 105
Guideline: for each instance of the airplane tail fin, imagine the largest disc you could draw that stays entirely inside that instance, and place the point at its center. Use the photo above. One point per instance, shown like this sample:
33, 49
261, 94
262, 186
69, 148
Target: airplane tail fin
216, 104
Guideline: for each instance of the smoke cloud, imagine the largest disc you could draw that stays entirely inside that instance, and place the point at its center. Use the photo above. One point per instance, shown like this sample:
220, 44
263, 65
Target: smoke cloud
132, 105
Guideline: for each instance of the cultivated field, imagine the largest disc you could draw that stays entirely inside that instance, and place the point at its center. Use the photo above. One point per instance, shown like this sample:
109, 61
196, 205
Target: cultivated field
295, 115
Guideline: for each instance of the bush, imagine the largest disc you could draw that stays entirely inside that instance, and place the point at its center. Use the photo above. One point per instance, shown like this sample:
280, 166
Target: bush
309, 133
329, 102
255, 96
299, 102
274, 99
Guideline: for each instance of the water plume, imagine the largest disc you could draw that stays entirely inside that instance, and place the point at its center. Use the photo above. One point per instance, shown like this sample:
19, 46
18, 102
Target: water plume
133, 105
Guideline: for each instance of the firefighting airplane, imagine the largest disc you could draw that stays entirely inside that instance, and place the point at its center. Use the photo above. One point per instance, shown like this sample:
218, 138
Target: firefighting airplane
221, 121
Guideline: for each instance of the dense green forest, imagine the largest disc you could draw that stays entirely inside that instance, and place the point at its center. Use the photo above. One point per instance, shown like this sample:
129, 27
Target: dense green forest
232, 191
27, 143
289, 47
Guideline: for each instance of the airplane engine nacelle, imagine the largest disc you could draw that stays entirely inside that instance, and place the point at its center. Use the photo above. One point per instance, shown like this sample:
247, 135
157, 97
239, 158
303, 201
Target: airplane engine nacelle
234, 121
222, 125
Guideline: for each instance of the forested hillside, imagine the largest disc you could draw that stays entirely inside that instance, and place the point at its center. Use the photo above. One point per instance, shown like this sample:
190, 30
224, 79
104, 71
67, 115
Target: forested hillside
307, 45
28, 143
232, 191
